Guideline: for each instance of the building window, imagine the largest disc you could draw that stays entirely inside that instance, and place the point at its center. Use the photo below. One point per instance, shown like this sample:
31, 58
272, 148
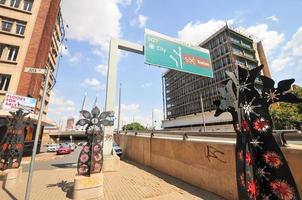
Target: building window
28, 4
12, 53
4, 82
20, 28
7, 25
2, 1
1, 50
15, 3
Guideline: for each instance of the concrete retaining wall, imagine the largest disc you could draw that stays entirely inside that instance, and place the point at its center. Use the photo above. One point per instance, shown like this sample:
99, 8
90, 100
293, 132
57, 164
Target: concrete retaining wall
207, 165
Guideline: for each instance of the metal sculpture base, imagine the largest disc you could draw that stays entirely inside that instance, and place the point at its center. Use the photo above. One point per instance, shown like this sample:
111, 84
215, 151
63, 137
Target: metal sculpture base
10, 177
88, 187
111, 163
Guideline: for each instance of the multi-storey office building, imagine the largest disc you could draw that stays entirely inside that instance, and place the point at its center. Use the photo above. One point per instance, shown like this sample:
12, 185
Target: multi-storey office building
31, 34
182, 92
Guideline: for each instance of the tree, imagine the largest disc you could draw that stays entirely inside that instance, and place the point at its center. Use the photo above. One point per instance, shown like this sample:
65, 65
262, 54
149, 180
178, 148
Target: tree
287, 115
134, 126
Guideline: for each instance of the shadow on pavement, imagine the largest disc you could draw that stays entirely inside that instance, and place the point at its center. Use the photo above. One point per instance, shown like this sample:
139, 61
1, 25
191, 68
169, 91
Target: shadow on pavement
65, 186
177, 182
65, 165
10, 194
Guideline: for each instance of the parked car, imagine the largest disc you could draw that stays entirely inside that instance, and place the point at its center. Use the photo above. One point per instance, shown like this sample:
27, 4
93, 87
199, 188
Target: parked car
52, 147
64, 149
73, 146
118, 150
82, 143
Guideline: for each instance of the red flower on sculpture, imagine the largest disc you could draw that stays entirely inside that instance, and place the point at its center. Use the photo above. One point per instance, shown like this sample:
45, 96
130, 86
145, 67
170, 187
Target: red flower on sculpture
19, 146
282, 190
252, 189
242, 180
97, 167
83, 169
240, 154
272, 159
86, 149
261, 125
248, 158
15, 164
245, 125
84, 158
5, 147
96, 148
97, 157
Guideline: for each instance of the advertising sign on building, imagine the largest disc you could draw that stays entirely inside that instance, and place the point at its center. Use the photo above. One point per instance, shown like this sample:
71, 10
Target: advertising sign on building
12, 102
163, 51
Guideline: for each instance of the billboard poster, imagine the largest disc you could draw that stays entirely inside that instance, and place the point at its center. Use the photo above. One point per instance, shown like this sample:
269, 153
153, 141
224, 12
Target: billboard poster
13, 102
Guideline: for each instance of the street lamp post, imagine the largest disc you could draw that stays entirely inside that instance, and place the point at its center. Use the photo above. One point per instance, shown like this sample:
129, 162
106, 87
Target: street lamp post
38, 129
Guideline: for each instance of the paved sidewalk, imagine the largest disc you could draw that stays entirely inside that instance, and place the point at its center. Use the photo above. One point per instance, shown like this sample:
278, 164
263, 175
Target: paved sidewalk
42, 157
132, 182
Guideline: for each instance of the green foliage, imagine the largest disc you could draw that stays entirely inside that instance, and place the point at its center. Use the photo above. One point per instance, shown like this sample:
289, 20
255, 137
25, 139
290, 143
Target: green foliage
287, 115
134, 126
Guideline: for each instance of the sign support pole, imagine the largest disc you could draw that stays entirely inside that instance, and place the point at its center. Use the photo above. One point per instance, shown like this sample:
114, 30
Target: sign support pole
38, 130
203, 116
115, 45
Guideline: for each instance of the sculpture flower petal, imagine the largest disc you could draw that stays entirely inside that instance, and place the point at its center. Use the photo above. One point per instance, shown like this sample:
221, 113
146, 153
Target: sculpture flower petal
82, 122
86, 114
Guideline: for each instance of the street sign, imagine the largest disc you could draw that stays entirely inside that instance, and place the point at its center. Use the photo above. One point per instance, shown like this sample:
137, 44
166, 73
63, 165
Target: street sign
12, 102
163, 51
35, 70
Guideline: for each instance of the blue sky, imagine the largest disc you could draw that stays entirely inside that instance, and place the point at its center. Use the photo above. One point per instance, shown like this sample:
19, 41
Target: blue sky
83, 67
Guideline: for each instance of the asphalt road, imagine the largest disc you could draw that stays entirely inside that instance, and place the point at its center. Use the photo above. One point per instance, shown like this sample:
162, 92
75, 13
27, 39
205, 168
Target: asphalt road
69, 161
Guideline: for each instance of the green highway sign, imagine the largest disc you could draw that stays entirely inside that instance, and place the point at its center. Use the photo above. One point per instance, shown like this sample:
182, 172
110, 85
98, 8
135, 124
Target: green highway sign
162, 51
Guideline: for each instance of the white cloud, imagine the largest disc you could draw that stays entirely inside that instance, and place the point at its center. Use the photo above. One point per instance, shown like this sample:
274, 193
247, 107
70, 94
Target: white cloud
94, 21
295, 44
273, 18
290, 54
75, 58
142, 21
132, 22
270, 39
139, 4
130, 108
64, 50
93, 83
97, 51
280, 63
146, 85
125, 2
131, 112
196, 32
60, 107
102, 69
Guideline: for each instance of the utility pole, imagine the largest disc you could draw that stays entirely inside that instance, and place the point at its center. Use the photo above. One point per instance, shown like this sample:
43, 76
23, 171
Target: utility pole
153, 119
202, 110
119, 109
38, 130
95, 101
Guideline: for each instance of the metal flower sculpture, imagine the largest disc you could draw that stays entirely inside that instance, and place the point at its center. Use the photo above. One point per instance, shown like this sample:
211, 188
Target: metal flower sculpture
262, 170
91, 157
12, 144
